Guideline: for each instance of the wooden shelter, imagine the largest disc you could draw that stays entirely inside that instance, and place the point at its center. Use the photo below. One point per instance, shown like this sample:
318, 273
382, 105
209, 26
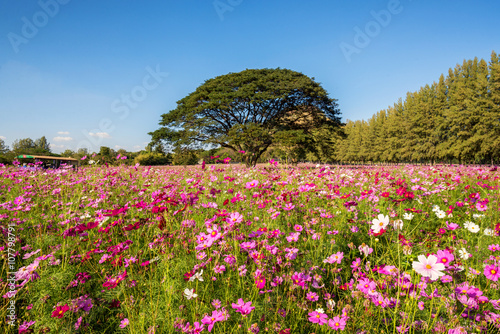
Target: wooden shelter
50, 161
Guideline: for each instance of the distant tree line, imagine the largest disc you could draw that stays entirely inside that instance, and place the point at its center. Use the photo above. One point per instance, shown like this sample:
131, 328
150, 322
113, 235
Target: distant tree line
456, 119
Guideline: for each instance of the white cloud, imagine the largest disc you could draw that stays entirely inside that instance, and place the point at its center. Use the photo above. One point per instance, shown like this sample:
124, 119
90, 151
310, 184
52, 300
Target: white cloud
55, 146
117, 147
100, 134
62, 139
137, 147
63, 133
2, 137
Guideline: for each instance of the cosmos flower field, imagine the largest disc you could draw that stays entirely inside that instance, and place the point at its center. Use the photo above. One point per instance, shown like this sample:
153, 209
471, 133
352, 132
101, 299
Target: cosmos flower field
270, 249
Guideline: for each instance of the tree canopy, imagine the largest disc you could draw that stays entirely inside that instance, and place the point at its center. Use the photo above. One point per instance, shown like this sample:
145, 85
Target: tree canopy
249, 111
30, 146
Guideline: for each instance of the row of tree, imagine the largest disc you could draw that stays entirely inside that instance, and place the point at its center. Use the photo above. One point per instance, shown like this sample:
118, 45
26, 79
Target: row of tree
455, 119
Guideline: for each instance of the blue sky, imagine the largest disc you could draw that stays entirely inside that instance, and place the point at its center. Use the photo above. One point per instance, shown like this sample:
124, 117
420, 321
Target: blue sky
100, 73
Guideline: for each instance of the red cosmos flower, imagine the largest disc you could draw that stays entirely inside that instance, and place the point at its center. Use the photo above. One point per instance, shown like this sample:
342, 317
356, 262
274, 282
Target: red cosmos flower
385, 194
188, 275
115, 303
59, 311
159, 209
409, 195
131, 227
382, 231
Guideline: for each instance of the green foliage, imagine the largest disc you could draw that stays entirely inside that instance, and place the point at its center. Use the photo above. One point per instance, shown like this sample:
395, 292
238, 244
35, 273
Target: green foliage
29, 146
182, 157
246, 111
152, 159
455, 119
3, 147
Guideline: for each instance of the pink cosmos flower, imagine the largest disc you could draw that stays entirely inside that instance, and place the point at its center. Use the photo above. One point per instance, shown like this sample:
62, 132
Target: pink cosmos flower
312, 296
298, 279
446, 279
242, 307
428, 267
124, 323
234, 218
252, 184
25, 326
492, 272
445, 257
334, 258
366, 286
293, 237
481, 206
318, 318
210, 320
219, 269
337, 323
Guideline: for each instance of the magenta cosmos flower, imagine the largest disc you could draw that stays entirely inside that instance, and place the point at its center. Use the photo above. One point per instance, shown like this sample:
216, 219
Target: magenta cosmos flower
59, 311
494, 248
428, 267
242, 307
260, 282
492, 272
318, 318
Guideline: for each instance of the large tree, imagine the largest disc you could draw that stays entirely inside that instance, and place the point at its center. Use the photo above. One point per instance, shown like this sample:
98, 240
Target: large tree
248, 111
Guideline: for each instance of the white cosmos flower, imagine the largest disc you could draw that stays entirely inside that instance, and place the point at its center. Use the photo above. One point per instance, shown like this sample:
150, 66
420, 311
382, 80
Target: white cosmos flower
320, 310
408, 216
398, 224
197, 276
489, 232
473, 228
428, 267
436, 208
380, 223
189, 293
440, 214
331, 303
464, 254
468, 223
